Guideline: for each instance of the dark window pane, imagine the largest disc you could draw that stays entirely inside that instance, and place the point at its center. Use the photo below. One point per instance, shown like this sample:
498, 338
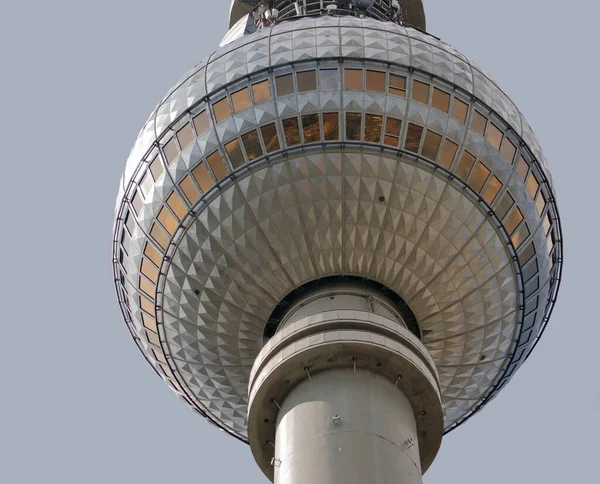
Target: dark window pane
420, 92
376, 81
441, 100
156, 168
312, 130
373, 125
393, 126
508, 150
353, 79
505, 204
170, 150
217, 165
329, 79
390, 140
307, 81
459, 110
479, 177
492, 189
331, 126
292, 131
240, 100
448, 153
202, 177
221, 109
234, 150
269, 134
413, 138
201, 123
285, 85
185, 136
261, 92
252, 145
431, 145
464, 167
353, 125
478, 123
494, 136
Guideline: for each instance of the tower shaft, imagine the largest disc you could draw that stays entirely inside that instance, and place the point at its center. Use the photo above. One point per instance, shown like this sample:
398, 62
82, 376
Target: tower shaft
344, 393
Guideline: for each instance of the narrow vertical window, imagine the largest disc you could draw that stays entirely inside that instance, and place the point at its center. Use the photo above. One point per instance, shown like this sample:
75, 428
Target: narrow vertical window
373, 125
270, 138
353, 125
252, 145
431, 145
440, 100
494, 136
420, 92
447, 154
156, 168
217, 165
459, 110
478, 123
331, 126
201, 123
261, 92
185, 136
236, 156
392, 132
221, 110
479, 177
413, 138
202, 177
170, 150
311, 128
397, 85
509, 150
292, 131
463, 169
189, 189
491, 191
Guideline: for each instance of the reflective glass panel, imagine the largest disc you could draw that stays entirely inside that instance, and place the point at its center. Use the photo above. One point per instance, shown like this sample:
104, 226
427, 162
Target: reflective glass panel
431, 145
147, 287
547, 224
190, 190
156, 168
373, 125
252, 145
532, 185
291, 130
413, 138
217, 165
494, 136
527, 254
353, 125
269, 134
492, 189
522, 168
540, 203
240, 100
329, 79
397, 85
149, 322
420, 92
202, 177
149, 270
504, 206
185, 136
463, 169
146, 184
176, 204
129, 222
440, 100
508, 150
147, 306
520, 235
448, 153
159, 235
307, 81
479, 177
285, 85
201, 123
137, 203
167, 220
459, 110
513, 220
375, 81
153, 338
234, 150
170, 151
311, 127
392, 132
153, 254
478, 123
331, 126
353, 79
221, 110
261, 92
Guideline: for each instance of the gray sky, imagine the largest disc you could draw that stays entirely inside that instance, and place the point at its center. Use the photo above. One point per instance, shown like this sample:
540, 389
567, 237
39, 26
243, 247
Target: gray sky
80, 405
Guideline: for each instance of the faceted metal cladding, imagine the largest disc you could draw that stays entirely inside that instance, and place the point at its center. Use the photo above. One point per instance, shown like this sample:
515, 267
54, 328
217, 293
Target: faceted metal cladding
331, 146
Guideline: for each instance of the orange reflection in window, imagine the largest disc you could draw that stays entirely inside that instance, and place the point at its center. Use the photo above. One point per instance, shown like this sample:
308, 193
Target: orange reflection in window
217, 165
307, 81
270, 138
201, 123
202, 177
373, 125
463, 169
505, 205
522, 168
479, 177
159, 235
170, 151
494, 136
185, 136
520, 235
413, 138
311, 128
392, 132
492, 189
291, 130
397, 85
240, 100
189, 189
459, 110
447, 154
509, 150
420, 92
234, 150
532, 185
252, 145
513, 220
285, 85
153, 254
375, 81
261, 92
440, 100
156, 168
331, 126
353, 79
167, 220
147, 287
221, 110
149, 270
478, 123
431, 145
147, 306
177, 205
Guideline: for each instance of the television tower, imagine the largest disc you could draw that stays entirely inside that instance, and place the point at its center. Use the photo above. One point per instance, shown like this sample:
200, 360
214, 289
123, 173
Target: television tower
336, 239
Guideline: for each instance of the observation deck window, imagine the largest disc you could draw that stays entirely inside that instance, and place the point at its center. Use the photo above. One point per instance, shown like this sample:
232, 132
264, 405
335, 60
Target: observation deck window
190, 190
291, 129
331, 126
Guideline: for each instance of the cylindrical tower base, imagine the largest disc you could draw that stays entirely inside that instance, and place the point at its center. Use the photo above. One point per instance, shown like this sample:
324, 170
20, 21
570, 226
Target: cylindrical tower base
346, 427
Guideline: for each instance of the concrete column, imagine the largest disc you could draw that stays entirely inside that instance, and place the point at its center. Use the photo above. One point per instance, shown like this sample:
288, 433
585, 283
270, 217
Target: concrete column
346, 427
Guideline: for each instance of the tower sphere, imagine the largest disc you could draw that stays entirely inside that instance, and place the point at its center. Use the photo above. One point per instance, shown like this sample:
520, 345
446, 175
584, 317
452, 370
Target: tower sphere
335, 148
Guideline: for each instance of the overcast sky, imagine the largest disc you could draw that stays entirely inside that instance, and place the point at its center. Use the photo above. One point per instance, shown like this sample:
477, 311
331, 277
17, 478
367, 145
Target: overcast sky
78, 402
